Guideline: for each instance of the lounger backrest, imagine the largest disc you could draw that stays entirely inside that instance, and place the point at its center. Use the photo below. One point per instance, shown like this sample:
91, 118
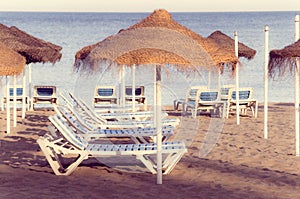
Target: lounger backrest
105, 91
208, 95
67, 132
139, 90
224, 91
45, 91
244, 93
193, 92
11, 90
19, 91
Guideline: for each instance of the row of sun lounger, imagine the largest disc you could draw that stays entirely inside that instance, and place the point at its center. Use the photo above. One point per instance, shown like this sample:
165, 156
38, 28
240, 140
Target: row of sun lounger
106, 96
219, 102
77, 130
41, 95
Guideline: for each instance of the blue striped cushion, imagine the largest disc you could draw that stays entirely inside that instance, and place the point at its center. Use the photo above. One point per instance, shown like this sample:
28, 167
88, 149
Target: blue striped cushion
19, 91
208, 96
105, 92
242, 95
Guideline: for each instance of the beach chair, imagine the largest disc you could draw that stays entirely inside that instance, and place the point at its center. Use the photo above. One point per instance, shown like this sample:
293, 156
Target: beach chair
190, 97
105, 95
208, 100
68, 143
81, 110
138, 135
140, 97
44, 95
224, 91
246, 101
19, 96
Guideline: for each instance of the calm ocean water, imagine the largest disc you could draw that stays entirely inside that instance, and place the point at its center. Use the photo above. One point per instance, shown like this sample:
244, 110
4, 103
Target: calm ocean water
73, 31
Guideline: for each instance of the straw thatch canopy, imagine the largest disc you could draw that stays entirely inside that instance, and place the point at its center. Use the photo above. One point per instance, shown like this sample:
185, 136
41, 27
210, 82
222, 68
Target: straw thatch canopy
281, 60
228, 43
33, 49
157, 39
11, 63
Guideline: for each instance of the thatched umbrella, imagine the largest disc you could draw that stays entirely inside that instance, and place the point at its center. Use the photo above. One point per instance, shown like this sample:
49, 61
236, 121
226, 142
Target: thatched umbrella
33, 49
157, 40
288, 59
229, 44
11, 63
284, 59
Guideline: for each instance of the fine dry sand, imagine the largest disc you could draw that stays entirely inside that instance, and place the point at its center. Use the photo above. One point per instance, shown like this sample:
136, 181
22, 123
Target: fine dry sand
241, 164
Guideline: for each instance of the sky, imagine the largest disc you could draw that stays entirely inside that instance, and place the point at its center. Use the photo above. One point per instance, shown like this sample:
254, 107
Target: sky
149, 5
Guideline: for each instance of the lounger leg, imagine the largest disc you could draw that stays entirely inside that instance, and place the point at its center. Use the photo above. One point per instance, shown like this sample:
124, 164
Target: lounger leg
75, 164
171, 160
50, 156
175, 105
194, 112
256, 109
53, 159
147, 162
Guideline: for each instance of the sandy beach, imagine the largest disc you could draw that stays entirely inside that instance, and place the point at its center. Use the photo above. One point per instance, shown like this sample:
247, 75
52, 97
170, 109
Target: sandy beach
242, 164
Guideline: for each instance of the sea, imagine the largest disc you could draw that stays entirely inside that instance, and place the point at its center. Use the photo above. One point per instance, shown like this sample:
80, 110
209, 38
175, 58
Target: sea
73, 31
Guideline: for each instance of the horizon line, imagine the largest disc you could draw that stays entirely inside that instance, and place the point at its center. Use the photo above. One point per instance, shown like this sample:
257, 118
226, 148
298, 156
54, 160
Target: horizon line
211, 11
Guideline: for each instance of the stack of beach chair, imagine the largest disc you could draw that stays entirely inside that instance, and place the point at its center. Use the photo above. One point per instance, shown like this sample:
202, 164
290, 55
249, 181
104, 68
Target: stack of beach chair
78, 130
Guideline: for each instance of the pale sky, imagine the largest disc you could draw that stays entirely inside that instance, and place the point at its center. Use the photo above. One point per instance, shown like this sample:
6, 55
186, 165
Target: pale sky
149, 5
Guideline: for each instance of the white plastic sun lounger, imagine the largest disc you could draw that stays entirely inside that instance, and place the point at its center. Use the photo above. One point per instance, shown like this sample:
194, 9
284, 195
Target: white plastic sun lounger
70, 143
139, 135
81, 110
139, 115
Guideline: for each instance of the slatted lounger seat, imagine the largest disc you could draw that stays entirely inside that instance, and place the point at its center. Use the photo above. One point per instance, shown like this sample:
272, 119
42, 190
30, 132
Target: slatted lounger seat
69, 143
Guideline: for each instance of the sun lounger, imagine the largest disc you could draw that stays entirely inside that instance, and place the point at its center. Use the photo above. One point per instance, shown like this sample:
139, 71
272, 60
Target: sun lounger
138, 135
140, 97
224, 91
191, 96
19, 96
208, 100
44, 95
105, 95
81, 110
246, 101
68, 143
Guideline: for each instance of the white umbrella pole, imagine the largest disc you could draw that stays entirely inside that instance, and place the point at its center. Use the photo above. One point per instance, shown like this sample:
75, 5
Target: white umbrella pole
24, 94
120, 88
219, 78
209, 79
154, 99
7, 106
236, 49
266, 82
30, 87
158, 124
297, 90
15, 100
133, 88
123, 86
